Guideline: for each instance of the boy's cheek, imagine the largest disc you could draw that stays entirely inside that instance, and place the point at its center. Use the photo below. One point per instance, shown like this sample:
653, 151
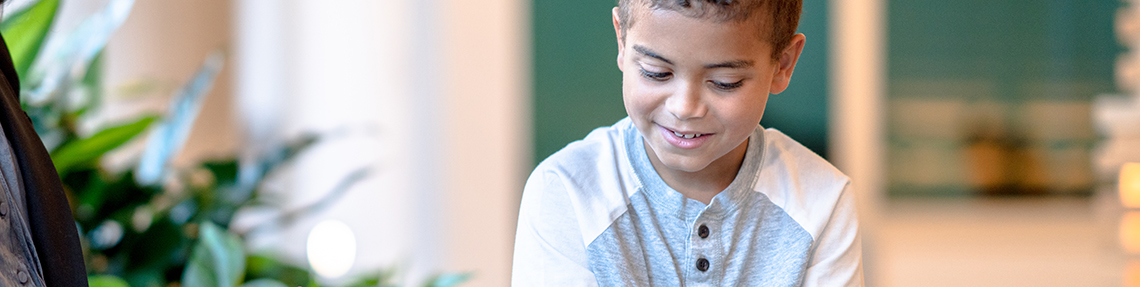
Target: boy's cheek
637, 106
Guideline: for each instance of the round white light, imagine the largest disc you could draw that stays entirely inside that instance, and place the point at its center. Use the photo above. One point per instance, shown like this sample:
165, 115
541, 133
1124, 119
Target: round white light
331, 248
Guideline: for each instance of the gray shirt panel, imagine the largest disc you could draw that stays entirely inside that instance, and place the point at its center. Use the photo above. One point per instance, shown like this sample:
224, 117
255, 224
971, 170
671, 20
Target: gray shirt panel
750, 241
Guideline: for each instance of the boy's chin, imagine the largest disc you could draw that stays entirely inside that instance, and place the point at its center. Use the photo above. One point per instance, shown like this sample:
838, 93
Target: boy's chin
688, 164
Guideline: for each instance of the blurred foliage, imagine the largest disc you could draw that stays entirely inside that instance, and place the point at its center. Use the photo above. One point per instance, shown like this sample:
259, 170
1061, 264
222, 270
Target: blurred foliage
154, 225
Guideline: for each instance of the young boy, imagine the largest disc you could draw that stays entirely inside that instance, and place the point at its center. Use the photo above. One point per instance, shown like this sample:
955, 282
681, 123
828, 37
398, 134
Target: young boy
689, 190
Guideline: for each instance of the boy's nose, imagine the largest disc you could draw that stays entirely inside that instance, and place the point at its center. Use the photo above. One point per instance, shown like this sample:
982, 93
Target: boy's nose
686, 103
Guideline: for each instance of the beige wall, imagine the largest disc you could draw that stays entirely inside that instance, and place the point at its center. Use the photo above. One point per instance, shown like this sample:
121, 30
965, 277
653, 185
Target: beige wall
162, 44
858, 75
489, 132
446, 84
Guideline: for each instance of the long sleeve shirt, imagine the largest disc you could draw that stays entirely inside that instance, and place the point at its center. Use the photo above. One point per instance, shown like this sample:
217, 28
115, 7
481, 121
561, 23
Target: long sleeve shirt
597, 214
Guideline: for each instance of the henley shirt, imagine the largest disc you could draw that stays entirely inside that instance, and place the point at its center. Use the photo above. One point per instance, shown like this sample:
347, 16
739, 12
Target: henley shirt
596, 213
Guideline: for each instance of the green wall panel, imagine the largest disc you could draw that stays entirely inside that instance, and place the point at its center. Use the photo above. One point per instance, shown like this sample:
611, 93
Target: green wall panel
1007, 43
992, 97
801, 110
577, 85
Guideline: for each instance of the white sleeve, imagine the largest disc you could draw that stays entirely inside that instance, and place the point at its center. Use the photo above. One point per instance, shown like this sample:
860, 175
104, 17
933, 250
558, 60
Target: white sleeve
838, 256
549, 249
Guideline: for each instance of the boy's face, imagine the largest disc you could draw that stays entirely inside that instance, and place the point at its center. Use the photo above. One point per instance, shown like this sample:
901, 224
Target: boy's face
696, 89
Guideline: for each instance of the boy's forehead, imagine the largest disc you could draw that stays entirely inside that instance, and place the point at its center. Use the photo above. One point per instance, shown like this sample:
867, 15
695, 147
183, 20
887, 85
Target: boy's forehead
739, 10
670, 34
751, 11
750, 24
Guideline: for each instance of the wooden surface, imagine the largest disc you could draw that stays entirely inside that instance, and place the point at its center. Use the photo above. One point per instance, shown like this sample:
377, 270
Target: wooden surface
1002, 242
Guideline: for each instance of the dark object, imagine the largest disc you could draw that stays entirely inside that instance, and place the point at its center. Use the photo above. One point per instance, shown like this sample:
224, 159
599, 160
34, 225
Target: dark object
49, 214
703, 264
703, 231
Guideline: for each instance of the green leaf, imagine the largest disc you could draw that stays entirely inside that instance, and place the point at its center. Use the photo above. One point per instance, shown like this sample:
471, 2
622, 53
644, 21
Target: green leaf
89, 149
90, 89
106, 281
150, 277
161, 239
217, 261
379, 278
263, 283
225, 171
167, 139
25, 32
259, 266
448, 280
64, 58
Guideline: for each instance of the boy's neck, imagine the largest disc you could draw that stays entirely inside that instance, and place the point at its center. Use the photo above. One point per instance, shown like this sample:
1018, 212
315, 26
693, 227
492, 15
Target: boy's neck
704, 184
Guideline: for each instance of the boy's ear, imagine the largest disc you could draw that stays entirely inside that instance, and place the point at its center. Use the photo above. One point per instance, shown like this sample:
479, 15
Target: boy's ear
620, 41
787, 64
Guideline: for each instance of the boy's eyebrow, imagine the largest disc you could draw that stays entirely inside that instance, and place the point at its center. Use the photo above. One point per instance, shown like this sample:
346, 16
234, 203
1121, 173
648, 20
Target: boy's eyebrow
730, 64
645, 51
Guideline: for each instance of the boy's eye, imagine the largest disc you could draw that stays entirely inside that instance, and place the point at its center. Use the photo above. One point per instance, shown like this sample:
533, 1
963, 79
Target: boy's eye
656, 76
727, 86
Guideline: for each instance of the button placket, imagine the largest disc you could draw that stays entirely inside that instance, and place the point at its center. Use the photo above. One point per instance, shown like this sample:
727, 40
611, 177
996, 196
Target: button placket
707, 251
702, 245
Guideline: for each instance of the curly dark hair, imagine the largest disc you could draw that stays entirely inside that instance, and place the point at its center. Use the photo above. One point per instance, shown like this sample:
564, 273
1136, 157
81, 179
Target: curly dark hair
784, 15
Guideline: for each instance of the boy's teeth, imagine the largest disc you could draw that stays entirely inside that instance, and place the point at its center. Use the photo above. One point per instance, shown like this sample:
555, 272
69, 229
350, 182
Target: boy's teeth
680, 135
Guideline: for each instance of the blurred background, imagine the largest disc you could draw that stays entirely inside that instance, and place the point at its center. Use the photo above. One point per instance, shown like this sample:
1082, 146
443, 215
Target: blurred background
359, 142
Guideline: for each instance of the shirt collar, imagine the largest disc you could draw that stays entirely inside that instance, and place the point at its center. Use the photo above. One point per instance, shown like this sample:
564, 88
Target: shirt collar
667, 199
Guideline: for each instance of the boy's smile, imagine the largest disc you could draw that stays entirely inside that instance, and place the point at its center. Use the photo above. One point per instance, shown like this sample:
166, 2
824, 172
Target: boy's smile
696, 90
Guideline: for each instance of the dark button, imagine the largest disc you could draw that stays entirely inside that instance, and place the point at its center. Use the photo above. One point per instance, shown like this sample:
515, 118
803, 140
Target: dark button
3, 208
703, 264
703, 231
22, 276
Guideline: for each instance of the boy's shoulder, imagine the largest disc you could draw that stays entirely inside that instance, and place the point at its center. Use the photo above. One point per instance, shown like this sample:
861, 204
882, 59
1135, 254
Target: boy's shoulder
589, 182
784, 157
806, 186
598, 159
